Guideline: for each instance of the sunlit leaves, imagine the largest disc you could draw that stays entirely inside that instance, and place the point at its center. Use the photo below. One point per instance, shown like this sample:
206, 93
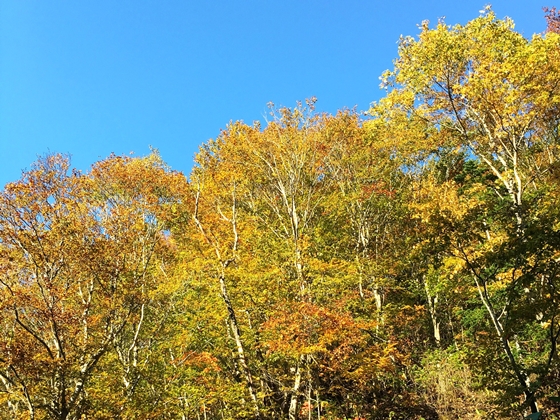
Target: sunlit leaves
80, 255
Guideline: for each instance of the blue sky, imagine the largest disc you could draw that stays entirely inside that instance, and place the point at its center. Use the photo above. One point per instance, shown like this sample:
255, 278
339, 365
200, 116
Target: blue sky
93, 77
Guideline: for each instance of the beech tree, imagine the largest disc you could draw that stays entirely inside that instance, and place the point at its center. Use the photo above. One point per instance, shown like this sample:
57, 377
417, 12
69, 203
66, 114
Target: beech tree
489, 93
79, 254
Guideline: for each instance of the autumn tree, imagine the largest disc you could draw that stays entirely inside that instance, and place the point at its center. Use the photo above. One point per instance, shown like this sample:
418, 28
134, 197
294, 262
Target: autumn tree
82, 257
488, 93
272, 206
552, 17
399, 264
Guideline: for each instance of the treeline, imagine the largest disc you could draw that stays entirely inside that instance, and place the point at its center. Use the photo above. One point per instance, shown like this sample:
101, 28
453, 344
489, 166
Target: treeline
402, 265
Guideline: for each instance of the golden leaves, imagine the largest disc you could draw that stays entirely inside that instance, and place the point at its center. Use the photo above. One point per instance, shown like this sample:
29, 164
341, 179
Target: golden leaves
80, 254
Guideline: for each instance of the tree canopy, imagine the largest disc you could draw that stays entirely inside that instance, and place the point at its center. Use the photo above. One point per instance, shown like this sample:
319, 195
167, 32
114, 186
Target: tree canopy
403, 263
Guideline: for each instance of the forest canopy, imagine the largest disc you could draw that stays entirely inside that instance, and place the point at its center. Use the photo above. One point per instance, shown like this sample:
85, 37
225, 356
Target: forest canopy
403, 263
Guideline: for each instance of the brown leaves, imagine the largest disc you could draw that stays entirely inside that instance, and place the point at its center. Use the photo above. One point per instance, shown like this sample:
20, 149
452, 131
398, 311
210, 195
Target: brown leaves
552, 17
306, 328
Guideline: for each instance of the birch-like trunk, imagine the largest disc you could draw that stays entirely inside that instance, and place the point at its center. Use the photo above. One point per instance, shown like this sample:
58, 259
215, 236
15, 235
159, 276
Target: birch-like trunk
432, 306
520, 374
292, 413
242, 359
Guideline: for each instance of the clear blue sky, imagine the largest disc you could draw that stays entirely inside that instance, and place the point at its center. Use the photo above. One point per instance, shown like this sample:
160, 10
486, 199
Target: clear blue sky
94, 77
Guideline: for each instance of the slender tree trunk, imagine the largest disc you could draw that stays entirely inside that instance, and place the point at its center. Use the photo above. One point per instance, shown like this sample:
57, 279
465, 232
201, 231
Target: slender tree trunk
292, 413
518, 370
432, 305
378, 296
318, 405
242, 359
239, 344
